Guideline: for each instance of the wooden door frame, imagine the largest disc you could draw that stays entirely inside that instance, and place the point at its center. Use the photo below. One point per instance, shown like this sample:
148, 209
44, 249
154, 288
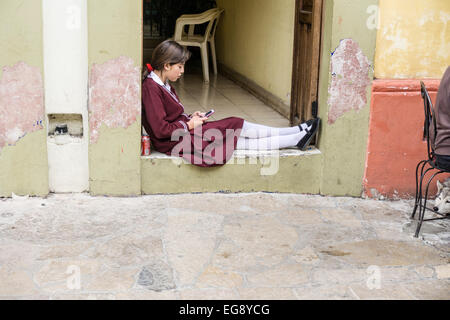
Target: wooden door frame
297, 76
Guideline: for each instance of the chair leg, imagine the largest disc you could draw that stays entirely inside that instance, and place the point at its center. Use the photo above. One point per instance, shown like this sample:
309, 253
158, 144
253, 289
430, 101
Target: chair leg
204, 52
416, 203
423, 208
419, 193
422, 176
213, 55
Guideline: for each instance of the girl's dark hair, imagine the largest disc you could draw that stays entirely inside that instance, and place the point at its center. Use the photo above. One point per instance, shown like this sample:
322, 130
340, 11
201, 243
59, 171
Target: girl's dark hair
169, 52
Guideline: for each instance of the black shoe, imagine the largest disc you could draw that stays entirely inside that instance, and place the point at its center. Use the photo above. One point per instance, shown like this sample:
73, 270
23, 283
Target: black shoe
306, 140
308, 123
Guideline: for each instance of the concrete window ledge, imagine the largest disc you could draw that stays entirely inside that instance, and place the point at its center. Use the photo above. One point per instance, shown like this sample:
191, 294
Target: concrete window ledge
287, 170
246, 154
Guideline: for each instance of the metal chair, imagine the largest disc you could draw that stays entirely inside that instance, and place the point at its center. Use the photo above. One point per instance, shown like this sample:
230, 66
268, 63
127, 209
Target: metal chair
421, 201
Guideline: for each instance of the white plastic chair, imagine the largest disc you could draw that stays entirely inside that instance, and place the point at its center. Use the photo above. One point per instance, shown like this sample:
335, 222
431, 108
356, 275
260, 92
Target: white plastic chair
191, 39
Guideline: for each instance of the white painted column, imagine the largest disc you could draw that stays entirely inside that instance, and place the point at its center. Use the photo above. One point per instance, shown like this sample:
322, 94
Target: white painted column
66, 92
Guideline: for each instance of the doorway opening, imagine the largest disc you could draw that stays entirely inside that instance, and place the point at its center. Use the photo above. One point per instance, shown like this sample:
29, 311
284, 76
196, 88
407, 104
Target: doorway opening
226, 97
306, 64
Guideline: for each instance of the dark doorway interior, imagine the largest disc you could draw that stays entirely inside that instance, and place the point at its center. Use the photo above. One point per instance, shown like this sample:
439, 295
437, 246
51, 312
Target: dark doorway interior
159, 17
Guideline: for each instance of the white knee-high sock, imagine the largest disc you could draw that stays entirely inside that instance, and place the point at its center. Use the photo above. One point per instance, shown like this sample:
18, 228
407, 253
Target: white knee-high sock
269, 143
253, 130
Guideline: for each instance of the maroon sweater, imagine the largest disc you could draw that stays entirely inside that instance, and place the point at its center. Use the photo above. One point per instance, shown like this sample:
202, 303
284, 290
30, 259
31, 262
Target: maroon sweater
165, 121
442, 109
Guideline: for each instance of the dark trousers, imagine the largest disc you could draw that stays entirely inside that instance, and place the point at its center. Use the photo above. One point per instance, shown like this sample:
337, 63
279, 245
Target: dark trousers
443, 162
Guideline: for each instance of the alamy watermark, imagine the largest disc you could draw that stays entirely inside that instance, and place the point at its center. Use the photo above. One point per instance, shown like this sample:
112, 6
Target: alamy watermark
374, 279
373, 21
73, 282
73, 20
212, 147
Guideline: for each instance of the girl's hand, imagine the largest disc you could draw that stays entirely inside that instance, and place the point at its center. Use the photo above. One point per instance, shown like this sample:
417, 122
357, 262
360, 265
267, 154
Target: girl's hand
199, 114
196, 121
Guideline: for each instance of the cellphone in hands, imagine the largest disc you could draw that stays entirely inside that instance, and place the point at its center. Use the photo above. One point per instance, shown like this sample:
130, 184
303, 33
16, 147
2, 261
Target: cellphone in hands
209, 113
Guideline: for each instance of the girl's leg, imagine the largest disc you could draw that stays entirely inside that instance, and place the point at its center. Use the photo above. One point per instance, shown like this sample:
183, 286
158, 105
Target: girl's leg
270, 143
253, 130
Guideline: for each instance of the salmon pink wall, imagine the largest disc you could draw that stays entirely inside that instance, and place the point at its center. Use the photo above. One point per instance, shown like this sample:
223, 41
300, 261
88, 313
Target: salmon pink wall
395, 144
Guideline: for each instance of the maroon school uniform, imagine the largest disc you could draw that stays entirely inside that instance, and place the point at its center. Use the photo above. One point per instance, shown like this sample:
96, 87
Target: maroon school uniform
165, 121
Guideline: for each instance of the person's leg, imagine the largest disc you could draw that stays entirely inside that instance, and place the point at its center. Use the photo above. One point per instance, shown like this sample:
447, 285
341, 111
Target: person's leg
443, 161
253, 130
270, 143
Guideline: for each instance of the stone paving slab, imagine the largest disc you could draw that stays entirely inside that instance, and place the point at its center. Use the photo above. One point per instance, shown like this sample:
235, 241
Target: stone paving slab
219, 246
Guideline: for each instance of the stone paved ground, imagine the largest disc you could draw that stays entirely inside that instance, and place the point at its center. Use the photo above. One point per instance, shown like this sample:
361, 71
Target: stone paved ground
219, 246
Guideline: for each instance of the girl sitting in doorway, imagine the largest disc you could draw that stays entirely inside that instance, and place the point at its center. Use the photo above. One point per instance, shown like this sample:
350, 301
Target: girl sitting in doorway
199, 141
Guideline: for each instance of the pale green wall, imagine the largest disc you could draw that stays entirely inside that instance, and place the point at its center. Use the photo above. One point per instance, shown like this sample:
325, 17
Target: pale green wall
344, 143
114, 30
21, 33
23, 167
292, 174
255, 39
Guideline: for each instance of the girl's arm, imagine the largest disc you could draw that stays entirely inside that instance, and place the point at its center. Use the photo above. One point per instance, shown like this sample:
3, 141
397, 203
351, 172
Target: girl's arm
156, 115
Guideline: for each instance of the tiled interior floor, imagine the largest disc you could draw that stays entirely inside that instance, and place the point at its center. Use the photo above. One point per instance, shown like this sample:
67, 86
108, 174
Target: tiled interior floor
226, 98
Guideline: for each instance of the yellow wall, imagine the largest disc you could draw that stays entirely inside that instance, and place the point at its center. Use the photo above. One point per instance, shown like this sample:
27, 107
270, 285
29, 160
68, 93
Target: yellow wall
413, 40
255, 38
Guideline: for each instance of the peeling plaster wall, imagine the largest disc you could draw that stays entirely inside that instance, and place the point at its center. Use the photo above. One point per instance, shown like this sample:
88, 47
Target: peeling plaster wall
413, 40
349, 80
114, 95
348, 48
115, 57
21, 103
23, 152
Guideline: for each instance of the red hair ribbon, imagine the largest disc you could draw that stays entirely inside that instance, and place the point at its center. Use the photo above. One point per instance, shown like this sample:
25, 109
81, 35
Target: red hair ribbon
149, 67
